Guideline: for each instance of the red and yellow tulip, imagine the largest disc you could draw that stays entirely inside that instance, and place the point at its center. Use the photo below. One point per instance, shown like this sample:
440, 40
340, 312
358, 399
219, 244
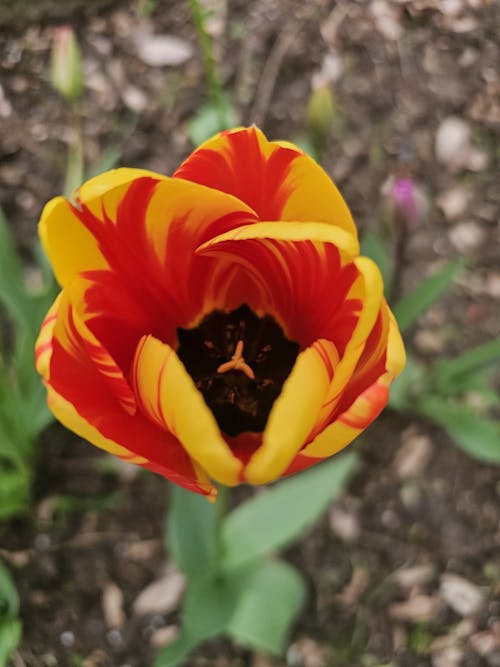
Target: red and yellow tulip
243, 269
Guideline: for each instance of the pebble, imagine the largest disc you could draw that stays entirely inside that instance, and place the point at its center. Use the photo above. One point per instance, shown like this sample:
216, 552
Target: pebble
163, 50
164, 636
413, 456
467, 236
454, 202
345, 524
452, 143
418, 608
418, 575
67, 638
112, 606
162, 595
462, 596
448, 657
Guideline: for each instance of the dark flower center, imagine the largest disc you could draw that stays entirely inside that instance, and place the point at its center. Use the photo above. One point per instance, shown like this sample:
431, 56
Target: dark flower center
239, 362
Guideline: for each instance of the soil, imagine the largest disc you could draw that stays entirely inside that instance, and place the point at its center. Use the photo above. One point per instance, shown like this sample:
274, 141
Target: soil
419, 510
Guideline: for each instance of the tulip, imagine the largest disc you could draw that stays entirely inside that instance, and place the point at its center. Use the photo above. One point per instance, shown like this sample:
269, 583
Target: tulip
218, 324
406, 200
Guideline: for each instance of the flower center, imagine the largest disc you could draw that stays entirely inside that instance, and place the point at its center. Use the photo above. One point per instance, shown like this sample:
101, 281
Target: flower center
239, 362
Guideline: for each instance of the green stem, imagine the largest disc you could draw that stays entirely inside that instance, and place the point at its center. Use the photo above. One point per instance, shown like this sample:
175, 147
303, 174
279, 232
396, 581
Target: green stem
74, 165
221, 507
214, 82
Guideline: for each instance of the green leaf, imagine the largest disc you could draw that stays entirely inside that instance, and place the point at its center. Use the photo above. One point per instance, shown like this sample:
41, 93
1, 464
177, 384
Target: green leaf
256, 605
9, 599
10, 635
451, 376
275, 517
191, 532
174, 653
414, 304
210, 119
14, 493
373, 247
12, 293
270, 602
478, 436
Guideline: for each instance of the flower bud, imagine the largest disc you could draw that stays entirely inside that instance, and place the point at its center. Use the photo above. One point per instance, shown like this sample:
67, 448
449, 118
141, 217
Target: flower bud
406, 200
66, 73
320, 114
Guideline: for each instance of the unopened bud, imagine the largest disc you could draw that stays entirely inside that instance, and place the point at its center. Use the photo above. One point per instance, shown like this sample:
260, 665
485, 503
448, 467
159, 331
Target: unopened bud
66, 73
320, 114
406, 200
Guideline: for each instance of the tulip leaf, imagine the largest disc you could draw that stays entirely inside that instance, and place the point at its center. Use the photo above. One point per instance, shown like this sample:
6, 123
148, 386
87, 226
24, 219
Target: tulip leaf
211, 118
275, 517
270, 602
476, 435
191, 531
10, 625
256, 605
10, 635
11, 276
408, 309
453, 376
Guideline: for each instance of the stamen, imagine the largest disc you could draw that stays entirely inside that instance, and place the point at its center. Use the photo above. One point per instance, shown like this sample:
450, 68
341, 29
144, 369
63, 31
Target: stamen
237, 363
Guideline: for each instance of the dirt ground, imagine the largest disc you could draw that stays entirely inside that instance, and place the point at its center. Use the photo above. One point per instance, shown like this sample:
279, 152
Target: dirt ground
405, 570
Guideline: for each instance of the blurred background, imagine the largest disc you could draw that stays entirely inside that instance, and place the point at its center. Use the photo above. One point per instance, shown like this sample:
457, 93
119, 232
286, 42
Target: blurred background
400, 101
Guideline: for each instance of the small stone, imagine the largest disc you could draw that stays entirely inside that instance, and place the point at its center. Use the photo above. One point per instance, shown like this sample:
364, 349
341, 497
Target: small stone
387, 19
478, 160
461, 595
484, 643
163, 50
306, 653
467, 236
164, 636
5, 105
417, 609
162, 595
413, 457
454, 202
112, 605
134, 99
418, 575
345, 524
448, 657
67, 638
452, 143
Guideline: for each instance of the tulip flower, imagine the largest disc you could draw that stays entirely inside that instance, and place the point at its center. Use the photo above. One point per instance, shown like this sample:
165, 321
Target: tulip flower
218, 324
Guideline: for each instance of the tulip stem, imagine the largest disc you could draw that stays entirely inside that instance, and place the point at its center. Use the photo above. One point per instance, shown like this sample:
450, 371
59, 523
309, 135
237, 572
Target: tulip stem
214, 82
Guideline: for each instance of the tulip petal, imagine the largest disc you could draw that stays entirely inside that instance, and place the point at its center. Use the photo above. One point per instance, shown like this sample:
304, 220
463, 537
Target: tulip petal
276, 179
293, 414
168, 396
144, 227
80, 397
368, 290
70, 246
43, 344
365, 408
305, 273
